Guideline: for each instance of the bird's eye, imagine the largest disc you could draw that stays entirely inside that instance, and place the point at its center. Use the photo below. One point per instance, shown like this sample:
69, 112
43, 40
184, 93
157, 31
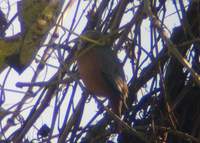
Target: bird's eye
81, 44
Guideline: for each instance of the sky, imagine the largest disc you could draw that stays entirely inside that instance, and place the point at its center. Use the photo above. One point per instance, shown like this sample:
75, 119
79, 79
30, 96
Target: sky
90, 108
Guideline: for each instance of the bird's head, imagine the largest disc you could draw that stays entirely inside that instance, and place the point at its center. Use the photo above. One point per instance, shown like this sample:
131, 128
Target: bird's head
95, 39
90, 38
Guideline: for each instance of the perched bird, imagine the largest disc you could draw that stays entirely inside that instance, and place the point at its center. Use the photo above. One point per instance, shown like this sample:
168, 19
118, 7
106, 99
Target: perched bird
101, 70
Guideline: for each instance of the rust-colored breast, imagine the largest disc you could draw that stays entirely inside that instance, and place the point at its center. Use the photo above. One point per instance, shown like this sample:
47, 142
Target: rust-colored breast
90, 72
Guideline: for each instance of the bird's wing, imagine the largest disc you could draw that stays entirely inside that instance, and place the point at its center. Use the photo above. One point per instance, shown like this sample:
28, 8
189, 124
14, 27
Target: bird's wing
112, 71
117, 84
112, 83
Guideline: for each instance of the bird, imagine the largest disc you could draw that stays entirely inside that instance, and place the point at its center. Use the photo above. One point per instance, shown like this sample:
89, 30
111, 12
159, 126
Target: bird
100, 69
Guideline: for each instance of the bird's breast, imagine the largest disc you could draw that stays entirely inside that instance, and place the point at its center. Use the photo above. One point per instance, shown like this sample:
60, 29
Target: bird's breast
89, 66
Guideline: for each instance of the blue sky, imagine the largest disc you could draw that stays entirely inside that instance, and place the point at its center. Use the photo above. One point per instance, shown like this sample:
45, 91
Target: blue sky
90, 109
